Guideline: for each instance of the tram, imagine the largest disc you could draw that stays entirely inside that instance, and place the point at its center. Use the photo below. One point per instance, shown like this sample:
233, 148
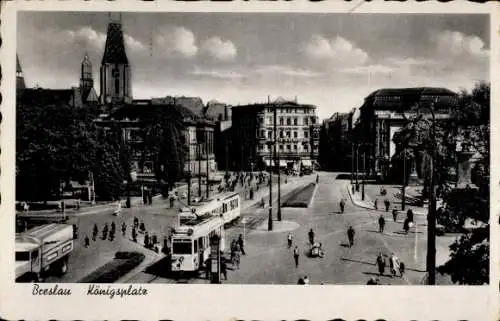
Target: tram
191, 242
226, 205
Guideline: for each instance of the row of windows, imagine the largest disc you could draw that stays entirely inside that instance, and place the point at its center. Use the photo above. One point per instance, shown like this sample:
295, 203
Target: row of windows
289, 147
291, 110
290, 120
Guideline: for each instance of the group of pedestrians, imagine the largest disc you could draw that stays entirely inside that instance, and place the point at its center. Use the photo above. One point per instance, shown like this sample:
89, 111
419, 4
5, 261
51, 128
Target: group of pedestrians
396, 266
107, 233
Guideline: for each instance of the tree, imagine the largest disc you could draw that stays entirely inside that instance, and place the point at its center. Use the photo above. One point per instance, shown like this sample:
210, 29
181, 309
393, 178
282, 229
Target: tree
56, 143
469, 121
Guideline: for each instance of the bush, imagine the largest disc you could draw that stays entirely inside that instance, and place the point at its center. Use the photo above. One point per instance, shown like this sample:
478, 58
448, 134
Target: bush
300, 197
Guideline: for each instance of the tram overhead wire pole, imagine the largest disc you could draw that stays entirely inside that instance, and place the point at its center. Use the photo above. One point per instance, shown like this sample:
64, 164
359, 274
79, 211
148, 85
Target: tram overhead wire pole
431, 216
277, 163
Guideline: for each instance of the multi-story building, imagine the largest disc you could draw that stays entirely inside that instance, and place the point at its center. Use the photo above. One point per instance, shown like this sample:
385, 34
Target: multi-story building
386, 111
132, 116
296, 138
335, 143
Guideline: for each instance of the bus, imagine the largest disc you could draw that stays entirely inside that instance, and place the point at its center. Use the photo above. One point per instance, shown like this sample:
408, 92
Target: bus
191, 242
226, 205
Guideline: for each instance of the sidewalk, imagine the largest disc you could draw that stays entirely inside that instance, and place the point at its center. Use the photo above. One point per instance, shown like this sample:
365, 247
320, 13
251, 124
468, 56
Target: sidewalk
371, 194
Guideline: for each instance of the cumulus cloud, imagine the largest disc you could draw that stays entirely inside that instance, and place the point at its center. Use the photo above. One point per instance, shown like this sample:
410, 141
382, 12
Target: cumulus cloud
370, 69
219, 49
337, 50
178, 41
286, 71
87, 37
217, 73
458, 44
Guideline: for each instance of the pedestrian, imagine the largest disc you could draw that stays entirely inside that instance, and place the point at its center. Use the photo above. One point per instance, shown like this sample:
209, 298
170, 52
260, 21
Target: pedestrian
395, 214
380, 264
95, 231
142, 227
150, 198
409, 215
207, 268
113, 227
375, 204
311, 236
350, 235
381, 223
87, 241
401, 269
342, 205
154, 239
136, 222
372, 281
317, 179
134, 234
290, 240
306, 280
146, 240
296, 256
223, 267
105, 231
387, 203
241, 243
233, 250
394, 264
165, 249
237, 259
301, 281
406, 225
118, 208
124, 228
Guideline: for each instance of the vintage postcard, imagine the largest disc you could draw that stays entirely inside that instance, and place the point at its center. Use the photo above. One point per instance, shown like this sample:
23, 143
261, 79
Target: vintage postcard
155, 155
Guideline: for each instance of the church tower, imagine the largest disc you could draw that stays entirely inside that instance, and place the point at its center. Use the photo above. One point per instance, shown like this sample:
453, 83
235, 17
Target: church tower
116, 86
20, 84
86, 79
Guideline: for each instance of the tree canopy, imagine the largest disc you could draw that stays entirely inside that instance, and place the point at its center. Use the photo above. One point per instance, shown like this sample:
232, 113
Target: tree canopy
467, 129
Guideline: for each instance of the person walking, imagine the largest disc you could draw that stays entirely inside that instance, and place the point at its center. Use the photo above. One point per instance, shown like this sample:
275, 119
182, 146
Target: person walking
380, 263
113, 227
142, 227
87, 241
136, 222
381, 223
154, 240
233, 250
350, 235
387, 203
290, 240
311, 236
406, 225
375, 204
394, 264
306, 280
237, 258
134, 234
124, 228
342, 206
223, 267
409, 215
241, 243
95, 232
296, 256
105, 231
401, 269
395, 214
146, 240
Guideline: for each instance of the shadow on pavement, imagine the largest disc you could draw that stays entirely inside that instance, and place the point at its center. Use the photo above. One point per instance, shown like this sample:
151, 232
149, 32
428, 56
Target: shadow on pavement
344, 245
357, 261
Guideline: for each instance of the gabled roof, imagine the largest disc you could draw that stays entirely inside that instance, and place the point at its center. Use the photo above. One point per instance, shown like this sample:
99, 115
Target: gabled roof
114, 50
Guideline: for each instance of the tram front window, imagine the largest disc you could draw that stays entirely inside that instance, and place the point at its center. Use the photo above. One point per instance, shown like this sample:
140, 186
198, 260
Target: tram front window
181, 247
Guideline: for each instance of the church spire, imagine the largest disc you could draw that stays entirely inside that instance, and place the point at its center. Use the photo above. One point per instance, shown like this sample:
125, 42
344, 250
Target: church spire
20, 84
115, 70
86, 79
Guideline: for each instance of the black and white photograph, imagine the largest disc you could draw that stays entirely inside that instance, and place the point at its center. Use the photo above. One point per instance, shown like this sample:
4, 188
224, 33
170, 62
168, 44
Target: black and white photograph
252, 148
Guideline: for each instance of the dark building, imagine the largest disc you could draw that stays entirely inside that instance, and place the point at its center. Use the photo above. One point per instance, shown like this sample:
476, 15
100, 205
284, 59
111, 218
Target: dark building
252, 136
221, 114
386, 111
335, 151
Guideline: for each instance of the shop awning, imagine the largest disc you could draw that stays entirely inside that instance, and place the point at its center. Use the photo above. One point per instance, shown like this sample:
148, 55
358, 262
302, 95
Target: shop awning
306, 162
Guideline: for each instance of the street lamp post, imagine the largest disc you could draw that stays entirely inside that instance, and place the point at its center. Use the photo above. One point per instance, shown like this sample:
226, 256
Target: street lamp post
403, 189
277, 161
364, 174
431, 216
199, 170
357, 167
270, 218
352, 163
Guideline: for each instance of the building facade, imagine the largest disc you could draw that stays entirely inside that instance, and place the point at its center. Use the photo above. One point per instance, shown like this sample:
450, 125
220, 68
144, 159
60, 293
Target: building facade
253, 135
335, 143
385, 111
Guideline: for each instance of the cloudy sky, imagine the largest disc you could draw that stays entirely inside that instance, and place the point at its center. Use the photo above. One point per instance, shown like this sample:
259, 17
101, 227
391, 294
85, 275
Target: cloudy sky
330, 60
